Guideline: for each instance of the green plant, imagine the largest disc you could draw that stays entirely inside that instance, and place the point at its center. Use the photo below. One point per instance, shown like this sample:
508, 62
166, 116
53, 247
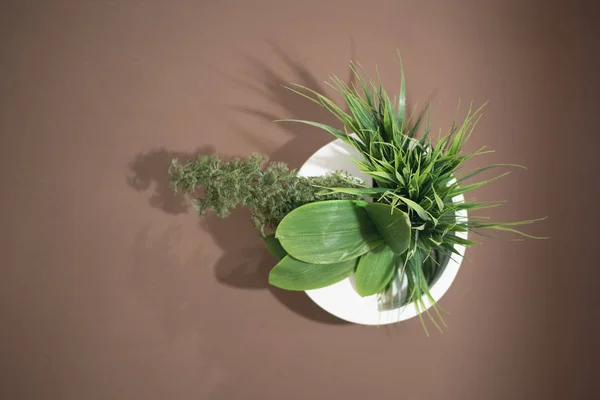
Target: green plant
326, 229
411, 174
269, 192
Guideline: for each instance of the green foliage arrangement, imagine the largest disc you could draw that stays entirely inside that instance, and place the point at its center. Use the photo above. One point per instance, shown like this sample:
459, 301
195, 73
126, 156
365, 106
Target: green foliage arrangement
328, 228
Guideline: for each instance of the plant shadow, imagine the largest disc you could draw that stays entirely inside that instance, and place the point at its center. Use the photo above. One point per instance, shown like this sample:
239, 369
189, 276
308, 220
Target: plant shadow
149, 171
246, 263
273, 87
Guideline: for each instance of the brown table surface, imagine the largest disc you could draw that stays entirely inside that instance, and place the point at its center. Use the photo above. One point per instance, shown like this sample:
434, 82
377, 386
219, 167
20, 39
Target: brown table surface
111, 288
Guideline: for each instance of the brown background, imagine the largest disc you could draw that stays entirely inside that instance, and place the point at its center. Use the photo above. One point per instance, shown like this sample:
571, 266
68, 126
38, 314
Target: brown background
111, 289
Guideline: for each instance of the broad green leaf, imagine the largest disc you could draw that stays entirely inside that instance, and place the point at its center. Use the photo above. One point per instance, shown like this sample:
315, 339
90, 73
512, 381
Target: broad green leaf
392, 224
293, 274
274, 246
375, 270
327, 232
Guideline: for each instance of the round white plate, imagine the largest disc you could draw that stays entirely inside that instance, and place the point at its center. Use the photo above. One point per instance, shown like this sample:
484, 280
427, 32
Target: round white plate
341, 299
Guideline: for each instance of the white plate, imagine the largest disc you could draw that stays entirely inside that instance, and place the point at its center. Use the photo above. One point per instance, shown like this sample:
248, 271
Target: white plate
341, 299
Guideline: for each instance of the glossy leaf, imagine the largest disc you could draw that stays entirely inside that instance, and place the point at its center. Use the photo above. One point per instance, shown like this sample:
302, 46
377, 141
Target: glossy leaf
293, 274
392, 224
375, 270
327, 232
